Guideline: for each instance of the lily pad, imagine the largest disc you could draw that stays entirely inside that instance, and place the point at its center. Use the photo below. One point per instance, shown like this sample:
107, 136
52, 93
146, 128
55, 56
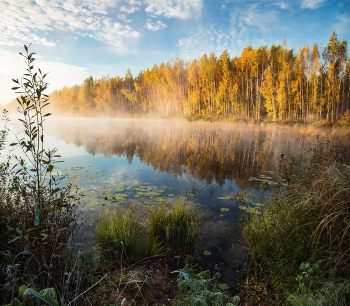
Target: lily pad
207, 253
223, 286
170, 195
243, 207
224, 209
164, 186
138, 170
146, 183
225, 198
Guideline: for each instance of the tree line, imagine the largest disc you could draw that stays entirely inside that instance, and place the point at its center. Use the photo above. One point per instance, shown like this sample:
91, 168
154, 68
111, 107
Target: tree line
276, 83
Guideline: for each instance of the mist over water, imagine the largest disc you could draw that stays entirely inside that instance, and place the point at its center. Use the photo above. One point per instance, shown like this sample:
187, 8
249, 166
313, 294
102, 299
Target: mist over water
116, 161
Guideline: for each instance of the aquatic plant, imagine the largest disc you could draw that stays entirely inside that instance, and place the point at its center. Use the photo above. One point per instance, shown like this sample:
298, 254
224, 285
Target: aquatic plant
175, 225
124, 225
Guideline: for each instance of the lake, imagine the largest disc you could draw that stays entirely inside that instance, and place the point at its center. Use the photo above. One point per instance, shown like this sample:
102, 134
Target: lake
114, 162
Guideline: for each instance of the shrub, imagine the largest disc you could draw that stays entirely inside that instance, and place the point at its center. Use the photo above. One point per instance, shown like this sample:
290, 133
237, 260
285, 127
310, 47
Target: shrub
39, 214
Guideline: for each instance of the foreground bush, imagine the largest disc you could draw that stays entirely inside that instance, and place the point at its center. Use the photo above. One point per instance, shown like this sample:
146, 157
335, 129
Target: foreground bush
37, 216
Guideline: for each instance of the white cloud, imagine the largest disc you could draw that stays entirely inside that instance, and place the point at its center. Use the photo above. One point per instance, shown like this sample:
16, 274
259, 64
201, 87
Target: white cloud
158, 25
13, 67
234, 36
183, 9
253, 16
27, 21
204, 41
343, 24
130, 10
282, 5
311, 4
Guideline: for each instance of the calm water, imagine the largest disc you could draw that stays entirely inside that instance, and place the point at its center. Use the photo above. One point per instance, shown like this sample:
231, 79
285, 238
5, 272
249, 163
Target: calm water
116, 161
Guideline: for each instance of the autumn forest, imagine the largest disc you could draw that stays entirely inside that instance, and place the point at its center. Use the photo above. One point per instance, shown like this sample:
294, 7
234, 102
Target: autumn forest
276, 83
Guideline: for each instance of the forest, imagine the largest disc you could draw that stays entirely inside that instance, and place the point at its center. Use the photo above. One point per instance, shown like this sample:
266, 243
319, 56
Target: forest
273, 83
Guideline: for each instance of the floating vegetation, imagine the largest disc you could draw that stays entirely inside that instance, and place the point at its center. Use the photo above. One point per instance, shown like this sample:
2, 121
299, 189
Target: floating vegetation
138, 170
223, 286
207, 253
164, 187
170, 195
146, 183
76, 168
224, 209
243, 207
225, 198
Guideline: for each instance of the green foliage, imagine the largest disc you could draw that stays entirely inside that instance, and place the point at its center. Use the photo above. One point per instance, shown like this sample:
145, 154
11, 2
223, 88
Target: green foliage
176, 226
147, 233
329, 294
201, 289
305, 220
39, 215
121, 231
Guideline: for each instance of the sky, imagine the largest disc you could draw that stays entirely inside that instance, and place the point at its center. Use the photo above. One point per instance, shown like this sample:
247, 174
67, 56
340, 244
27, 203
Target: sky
74, 39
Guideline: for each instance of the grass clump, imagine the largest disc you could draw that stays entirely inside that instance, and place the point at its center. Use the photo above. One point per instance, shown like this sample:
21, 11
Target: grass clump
330, 294
138, 232
306, 220
176, 226
122, 225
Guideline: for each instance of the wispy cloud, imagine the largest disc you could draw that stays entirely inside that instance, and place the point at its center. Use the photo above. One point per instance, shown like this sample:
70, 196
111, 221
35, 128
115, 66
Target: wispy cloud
26, 20
183, 9
155, 26
233, 36
312, 4
206, 40
343, 24
130, 10
253, 16
282, 5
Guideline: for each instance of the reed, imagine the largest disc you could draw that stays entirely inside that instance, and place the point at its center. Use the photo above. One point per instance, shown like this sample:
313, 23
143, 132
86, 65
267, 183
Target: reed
176, 226
122, 230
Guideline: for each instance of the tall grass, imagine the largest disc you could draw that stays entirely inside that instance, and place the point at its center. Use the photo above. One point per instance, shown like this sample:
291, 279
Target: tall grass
139, 233
177, 225
306, 219
122, 230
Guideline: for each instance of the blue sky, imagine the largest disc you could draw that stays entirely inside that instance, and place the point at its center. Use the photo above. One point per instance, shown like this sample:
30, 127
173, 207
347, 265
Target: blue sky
74, 39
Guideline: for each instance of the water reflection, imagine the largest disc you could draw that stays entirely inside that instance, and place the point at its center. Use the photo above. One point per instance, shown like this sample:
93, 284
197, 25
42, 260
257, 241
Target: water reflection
203, 151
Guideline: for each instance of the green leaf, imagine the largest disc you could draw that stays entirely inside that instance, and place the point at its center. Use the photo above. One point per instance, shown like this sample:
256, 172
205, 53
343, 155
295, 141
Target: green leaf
22, 289
223, 286
26, 247
48, 114
13, 144
14, 239
207, 253
224, 209
15, 88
